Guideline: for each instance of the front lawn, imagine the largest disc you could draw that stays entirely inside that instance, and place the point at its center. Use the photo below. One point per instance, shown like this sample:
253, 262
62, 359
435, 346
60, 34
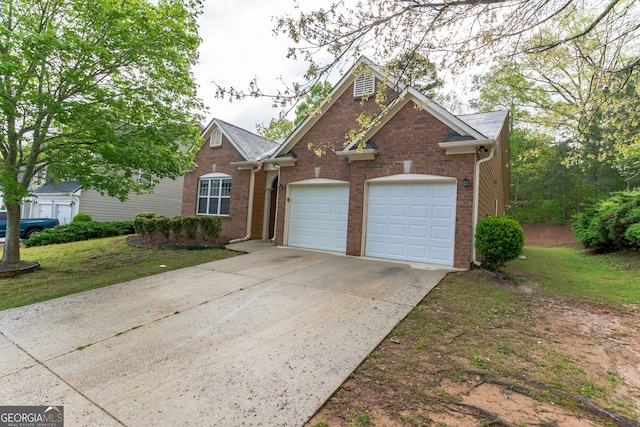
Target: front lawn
79, 266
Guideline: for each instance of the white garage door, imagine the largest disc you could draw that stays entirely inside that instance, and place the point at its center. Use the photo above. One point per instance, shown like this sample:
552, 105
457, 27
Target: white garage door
318, 218
412, 222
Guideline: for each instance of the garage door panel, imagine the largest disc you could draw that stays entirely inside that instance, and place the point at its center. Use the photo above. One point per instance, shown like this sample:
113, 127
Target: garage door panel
444, 233
439, 254
318, 217
421, 211
419, 223
395, 249
444, 191
442, 212
417, 251
418, 231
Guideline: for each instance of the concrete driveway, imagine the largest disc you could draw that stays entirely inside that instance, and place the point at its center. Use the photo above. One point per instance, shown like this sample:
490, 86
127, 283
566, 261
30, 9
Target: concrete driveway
261, 339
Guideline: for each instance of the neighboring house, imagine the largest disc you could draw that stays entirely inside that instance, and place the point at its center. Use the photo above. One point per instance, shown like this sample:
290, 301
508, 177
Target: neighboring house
66, 199
229, 181
413, 191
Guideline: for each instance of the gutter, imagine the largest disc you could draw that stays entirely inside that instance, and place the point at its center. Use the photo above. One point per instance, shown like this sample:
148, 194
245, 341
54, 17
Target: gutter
252, 184
476, 196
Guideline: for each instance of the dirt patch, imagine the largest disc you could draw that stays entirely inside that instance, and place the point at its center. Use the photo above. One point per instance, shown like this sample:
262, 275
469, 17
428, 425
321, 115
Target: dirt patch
549, 235
484, 351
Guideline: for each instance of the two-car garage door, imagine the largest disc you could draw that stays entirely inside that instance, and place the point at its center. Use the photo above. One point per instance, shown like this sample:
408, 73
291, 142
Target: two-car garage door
405, 221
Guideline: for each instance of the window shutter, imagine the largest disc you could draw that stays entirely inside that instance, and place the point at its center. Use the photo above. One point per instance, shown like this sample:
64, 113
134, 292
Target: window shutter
364, 85
215, 140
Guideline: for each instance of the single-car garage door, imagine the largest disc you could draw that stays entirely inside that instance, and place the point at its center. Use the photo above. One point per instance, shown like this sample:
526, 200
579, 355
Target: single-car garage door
318, 217
412, 222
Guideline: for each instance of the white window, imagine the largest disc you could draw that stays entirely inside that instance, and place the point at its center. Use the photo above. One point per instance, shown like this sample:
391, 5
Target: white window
364, 85
214, 196
215, 140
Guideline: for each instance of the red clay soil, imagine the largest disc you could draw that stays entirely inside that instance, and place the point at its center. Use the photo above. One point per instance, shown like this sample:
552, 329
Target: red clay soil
549, 235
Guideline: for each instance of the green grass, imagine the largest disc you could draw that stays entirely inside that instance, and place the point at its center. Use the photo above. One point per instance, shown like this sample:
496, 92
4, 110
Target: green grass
603, 278
76, 267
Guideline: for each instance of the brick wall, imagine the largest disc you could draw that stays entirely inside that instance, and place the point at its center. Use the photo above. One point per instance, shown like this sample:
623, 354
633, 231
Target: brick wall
412, 134
235, 225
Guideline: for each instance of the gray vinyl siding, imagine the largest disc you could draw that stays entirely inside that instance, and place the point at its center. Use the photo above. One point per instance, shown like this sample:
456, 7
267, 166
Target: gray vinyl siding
166, 200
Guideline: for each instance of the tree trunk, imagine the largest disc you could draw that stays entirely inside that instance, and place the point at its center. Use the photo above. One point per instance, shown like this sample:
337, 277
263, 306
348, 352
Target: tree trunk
515, 199
12, 241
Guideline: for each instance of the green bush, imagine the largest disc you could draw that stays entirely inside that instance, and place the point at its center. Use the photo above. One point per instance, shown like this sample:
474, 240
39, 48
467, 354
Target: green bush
163, 225
77, 231
144, 223
176, 225
210, 226
148, 223
611, 224
498, 240
82, 217
190, 226
633, 235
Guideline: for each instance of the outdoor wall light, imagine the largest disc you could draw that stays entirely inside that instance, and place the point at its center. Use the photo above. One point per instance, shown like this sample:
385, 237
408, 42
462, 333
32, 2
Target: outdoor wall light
465, 182
280, 187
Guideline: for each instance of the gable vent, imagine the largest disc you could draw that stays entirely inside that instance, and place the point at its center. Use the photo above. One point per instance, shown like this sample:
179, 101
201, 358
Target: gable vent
215, 140
364, 85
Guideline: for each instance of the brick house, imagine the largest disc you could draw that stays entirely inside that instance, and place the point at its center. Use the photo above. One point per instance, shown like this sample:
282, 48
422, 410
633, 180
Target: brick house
411, 187
227, 178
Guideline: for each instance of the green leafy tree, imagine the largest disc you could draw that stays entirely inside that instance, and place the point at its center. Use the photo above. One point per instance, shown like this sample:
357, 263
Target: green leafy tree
621, 124
589, 115
416, 70
281, 128
95, 91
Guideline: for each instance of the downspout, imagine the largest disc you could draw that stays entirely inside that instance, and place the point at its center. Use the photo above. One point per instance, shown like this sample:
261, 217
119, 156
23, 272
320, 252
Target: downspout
476, 196
252, 184
275, 215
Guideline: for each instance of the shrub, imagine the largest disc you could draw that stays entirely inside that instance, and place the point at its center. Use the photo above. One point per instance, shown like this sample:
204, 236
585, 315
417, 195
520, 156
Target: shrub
210, 226
190, 225
82, 217
176, 225
163, 225
144, 224
80, 230
498, 240
633, 235
148, 223
610, 225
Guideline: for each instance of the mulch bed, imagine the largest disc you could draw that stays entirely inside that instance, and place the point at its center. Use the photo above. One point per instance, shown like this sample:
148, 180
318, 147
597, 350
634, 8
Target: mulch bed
158, 241
10, 269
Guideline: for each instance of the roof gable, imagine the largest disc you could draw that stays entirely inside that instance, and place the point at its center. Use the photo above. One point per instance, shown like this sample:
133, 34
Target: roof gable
467, 128
342, 86
249, 145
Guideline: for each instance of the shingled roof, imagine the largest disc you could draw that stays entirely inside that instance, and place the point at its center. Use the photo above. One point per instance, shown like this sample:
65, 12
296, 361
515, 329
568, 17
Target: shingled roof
66, 187
250, 145
488, 124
